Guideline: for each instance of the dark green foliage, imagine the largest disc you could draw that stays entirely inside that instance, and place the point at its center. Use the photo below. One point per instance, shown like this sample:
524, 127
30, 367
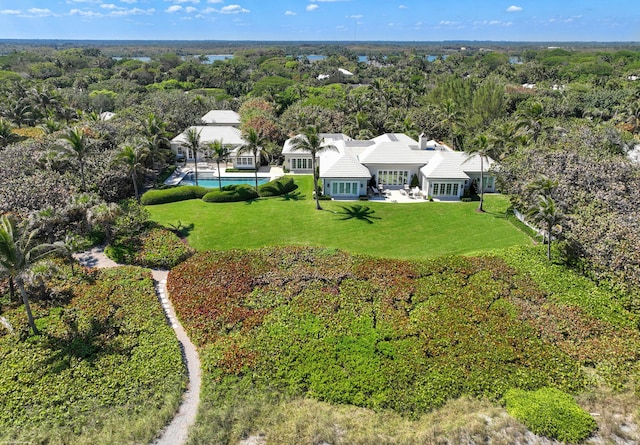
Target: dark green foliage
550, 412
402, 335
277, 187
180, 193
157, 248
106, 369
232, 193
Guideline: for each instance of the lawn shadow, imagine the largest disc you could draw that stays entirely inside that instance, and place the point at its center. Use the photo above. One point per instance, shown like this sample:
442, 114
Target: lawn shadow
357, 211
180, 229
293, 196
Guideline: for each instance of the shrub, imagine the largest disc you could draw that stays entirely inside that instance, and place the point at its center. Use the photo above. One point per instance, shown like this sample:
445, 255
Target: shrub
550, 412
157, 248
232, 193
175, 194
277, 187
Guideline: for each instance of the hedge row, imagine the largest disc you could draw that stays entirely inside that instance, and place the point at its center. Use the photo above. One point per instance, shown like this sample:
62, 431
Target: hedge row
230, 193
277, 187
175, 194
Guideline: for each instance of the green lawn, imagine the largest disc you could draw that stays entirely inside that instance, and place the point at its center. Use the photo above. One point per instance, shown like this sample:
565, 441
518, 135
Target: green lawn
392, 230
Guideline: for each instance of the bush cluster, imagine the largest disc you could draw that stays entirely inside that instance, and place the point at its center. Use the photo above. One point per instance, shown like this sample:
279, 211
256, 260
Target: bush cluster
174, 194
232, 193
550, 412
277, 187
156, 248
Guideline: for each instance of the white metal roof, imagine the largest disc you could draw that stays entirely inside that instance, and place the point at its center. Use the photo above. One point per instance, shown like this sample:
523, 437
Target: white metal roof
208, 133
221, 117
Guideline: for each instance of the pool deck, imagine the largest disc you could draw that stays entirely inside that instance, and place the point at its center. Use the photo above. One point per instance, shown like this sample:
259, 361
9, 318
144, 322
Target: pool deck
266, 171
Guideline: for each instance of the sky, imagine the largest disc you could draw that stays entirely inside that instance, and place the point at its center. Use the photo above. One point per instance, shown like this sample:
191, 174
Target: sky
330, 20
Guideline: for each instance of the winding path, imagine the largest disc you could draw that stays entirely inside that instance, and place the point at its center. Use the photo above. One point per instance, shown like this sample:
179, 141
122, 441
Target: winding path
177, 431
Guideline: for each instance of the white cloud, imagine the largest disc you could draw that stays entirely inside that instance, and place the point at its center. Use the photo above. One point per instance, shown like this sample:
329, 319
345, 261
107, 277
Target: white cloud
129, 1
190, 9
174, 8
233, 9
289, 13
39, 12
514, 8
82, 13
214, 1
312, 7
10, 11
328, 1
108, 6
195, 2
403, 7
448, 23
419, 23
358, 16
133, 11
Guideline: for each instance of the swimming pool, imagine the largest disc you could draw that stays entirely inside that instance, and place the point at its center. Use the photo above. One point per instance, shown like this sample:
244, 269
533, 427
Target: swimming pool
210, 181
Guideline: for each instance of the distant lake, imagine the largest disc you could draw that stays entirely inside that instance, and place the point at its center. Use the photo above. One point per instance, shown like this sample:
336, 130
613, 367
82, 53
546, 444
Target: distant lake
141, 59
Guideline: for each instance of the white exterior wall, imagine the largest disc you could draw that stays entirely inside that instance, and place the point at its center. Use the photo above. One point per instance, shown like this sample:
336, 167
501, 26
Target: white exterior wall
489, 179
289, 162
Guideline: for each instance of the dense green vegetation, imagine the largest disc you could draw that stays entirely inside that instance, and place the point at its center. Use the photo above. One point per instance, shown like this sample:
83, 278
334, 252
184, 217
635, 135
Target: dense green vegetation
562, 122
552, 413
284, 323
106, 368
389, 230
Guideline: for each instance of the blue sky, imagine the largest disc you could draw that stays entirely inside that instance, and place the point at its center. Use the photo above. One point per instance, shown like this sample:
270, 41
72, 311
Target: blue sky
411, 20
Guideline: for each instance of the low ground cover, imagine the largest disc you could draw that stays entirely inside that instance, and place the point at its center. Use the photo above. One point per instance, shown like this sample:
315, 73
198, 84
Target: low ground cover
282, 325
106, 369
384, 229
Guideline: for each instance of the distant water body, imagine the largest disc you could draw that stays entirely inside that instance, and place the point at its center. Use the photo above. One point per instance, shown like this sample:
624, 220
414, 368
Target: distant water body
210, 58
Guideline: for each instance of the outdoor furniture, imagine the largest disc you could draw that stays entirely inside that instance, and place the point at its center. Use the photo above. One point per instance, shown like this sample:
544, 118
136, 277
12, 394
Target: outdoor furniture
375, 191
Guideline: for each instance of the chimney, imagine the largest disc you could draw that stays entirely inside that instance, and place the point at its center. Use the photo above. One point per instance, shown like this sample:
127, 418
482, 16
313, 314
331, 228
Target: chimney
422, 142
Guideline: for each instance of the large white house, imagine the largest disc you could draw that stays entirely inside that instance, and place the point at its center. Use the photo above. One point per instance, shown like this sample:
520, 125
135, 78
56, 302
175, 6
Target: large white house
221, 125
391, 160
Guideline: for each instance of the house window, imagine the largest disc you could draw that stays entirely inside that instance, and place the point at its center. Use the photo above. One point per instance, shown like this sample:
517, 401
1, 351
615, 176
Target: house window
339, 188
244, 161
455, 189
300, 163
393, 177
446, 189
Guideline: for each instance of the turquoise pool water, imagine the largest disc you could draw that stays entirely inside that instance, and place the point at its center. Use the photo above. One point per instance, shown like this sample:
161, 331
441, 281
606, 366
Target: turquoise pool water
210, 181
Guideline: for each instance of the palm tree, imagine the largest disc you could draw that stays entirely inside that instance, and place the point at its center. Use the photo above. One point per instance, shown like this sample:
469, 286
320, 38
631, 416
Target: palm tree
193, 143
531, 117
255, 141
480, 147
157, 137
545, 211
219, 152
450, 116
75, 145
19, 251
132, 158
311, 141
7, 136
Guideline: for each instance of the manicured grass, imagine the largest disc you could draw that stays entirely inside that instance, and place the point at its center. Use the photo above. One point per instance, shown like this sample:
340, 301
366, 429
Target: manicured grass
388, 230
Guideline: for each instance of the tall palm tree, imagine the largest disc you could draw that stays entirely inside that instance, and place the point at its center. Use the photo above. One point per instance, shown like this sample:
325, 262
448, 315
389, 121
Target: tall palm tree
450, 116
545, 211
132, 158
531, 118
480, 147
75, 145
193, 143
311, 141
254, 143
157, 137
19, 251
219, 152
